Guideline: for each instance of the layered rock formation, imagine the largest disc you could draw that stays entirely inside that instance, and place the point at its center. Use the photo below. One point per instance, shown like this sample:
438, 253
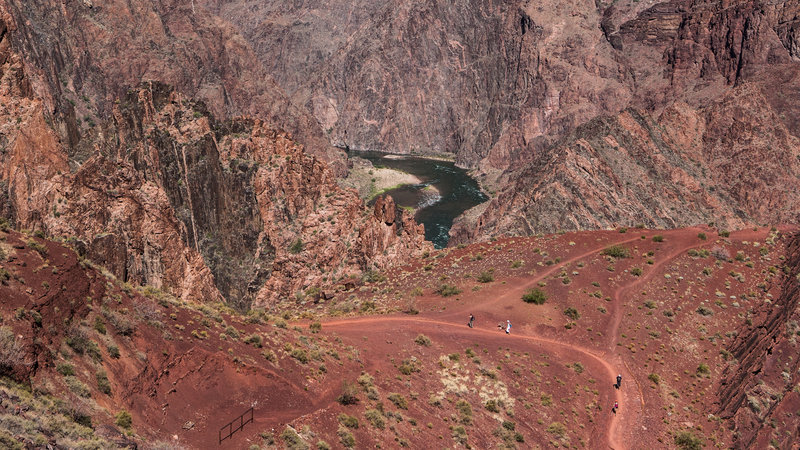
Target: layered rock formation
760, 392
733, 162
81, 56
170, 197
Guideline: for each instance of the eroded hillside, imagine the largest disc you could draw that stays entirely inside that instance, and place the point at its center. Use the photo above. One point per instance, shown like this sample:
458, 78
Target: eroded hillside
699, 323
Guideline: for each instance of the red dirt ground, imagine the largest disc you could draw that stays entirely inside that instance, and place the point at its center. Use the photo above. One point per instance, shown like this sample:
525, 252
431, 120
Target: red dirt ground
547, 384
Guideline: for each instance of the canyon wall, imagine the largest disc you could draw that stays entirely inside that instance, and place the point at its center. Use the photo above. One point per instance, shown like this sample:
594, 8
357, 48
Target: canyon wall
760, 392
171, 197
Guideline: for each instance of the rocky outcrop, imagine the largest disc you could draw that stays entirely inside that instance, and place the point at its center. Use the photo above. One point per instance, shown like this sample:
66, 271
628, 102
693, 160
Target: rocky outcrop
758, 393
82, 56
169, 196
731, 163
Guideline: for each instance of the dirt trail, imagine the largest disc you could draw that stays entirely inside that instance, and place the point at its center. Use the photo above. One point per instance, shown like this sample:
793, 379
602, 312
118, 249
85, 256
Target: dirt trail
621, 428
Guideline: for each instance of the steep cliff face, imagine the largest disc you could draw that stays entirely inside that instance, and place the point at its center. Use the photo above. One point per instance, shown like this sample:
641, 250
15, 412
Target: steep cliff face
82, 56
758, 393
170, 197
732, 163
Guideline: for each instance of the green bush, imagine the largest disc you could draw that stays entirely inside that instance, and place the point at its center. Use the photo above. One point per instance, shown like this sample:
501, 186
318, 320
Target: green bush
123, 419
686, 440
447, 290
296, 247
535, 296
486, 277
703, 369
572, 313
702, 236
375, 418
398, 400
557, 429
423, 340
636, 271
348, 421
724, 233
349, 395
102, 382
616, 251
654, 378
658, 238
464, 411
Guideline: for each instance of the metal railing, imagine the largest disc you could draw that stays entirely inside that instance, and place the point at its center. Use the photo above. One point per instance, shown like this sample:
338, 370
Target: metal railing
235, 425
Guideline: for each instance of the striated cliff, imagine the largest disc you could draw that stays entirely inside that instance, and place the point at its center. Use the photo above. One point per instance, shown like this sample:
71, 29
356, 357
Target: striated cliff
81, 56
168, 196
733, 162
759, 393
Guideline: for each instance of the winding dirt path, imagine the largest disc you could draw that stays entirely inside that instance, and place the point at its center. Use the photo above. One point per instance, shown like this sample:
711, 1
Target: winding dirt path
621, 429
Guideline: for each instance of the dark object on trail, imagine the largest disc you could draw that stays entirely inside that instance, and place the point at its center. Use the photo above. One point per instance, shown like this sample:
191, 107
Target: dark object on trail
619, 381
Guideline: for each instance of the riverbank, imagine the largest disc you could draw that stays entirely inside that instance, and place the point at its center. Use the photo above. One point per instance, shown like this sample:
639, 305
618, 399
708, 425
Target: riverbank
370, 181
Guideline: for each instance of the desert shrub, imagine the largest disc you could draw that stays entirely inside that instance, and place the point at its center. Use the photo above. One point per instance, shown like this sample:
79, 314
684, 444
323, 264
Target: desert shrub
577, 367
702, 236
102, 382
703, 369
740, 256
373, 276
300, 354
572, 313
398, 400
686, 440
75, 385
658, 238
315, 327
517, 264
486, 277
296, 247
322, 445
423, 340
349, 395
447, 290
636, 271
99, 325
705, 311
407, 367
122, 324
535, 296
546, 399
346, 438
557, 429
254, 339
65, 369
77, 339
113, 351
616, 251
724, 233
491, 405
464, 411
375, 418
12, 351
37, 247
460, 435
654, 378
292, 440
721, 253
348, 421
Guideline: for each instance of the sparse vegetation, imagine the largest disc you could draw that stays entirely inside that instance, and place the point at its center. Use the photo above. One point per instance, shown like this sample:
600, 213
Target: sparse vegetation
349, 395
398, 399
486, 277
655, 378
296, 247
535, 296
616, 251
423, 340
572, 313
447, 290
686, 440
123, 419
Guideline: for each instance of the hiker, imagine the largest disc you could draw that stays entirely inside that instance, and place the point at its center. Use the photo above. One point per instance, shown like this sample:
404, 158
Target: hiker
615, 408
471, 320
619, 381
508, 327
